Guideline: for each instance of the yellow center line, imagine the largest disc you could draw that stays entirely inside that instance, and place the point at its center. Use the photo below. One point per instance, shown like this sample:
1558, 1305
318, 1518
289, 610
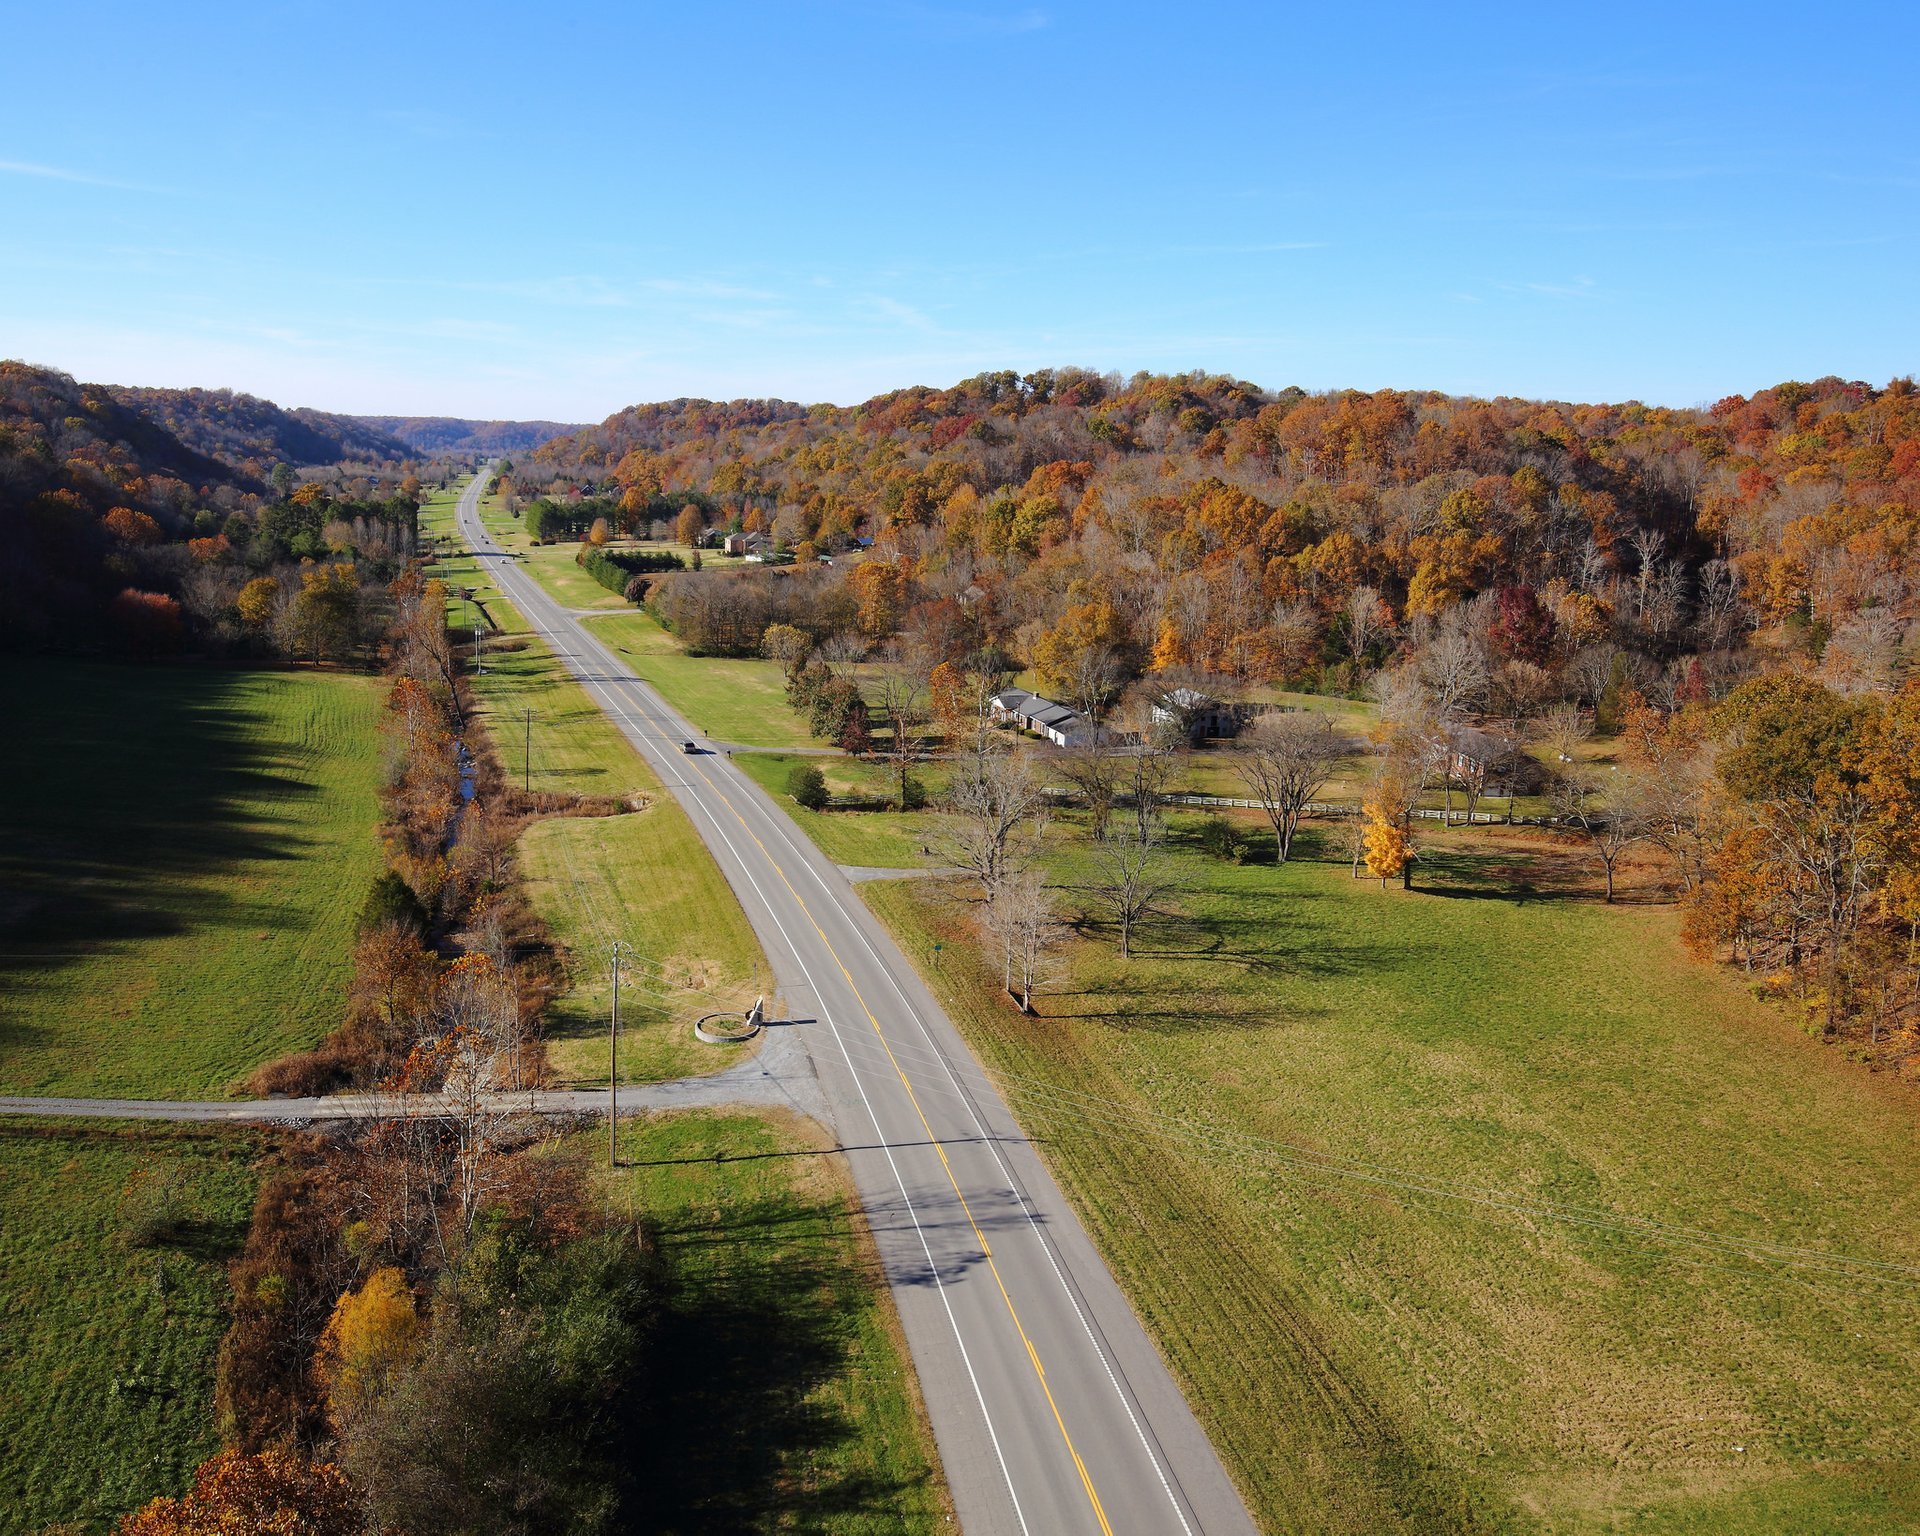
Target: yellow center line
1033, 1354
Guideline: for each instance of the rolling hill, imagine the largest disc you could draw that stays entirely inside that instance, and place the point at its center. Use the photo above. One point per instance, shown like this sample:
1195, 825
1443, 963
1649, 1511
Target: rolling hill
453, 434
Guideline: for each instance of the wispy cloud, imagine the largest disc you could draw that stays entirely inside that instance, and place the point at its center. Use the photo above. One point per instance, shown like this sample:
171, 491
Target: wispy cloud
900, 314
60, 173
573, 290
1579, 288
704, 288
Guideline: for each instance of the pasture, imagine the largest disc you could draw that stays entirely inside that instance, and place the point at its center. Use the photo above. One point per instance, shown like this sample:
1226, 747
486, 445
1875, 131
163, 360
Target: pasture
113, 1292
734, 699
182, 851
1477, 1207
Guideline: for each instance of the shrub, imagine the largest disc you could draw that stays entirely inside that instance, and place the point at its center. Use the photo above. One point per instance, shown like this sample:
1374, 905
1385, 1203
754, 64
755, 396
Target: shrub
391, 900
913, 795
1221, 839
149, 622
509, 1418
285, 1283
373, 1333
157, 1205
273, 1491
808, 786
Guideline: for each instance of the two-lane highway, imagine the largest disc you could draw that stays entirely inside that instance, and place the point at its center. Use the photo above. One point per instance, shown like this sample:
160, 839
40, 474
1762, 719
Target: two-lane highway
1053, 1412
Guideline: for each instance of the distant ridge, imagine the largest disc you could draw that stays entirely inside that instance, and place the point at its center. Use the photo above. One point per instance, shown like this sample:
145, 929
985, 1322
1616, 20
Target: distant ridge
252, 434
452, 434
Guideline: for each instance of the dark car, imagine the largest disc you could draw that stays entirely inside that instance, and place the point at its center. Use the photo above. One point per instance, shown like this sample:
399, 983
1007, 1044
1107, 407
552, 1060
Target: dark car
689, 748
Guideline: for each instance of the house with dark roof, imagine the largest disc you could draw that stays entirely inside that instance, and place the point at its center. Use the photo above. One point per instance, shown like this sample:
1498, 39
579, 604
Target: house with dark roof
1059, 723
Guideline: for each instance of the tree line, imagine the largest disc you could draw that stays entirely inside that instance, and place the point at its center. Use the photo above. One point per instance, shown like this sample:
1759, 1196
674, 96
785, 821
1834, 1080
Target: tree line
122, 512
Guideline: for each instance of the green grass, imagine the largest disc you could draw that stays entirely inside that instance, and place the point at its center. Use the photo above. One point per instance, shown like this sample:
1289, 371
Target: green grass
737, 699
1372, 1359
794, 1406
555, 566
106, 1349
645, 877
873, 839
182, 852
648, 879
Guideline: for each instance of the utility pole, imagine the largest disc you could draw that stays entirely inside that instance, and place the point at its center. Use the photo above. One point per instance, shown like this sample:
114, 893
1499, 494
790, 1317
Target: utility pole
526, 757
617, 952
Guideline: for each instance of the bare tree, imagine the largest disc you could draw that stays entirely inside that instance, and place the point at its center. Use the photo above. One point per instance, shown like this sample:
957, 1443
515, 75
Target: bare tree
1517, 690
1148, 778
1131, 874
1028, 930
1285, 759
1561, 731
1366, 621
996, 806
1611, 813
1094, 675
843, 650
900, 694
1453, 670
1094, 768
480, 1059
1864, 653
1718, 615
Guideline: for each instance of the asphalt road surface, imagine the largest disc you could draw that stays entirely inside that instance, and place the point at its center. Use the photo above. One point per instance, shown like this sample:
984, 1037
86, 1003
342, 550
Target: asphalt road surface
1053, 1412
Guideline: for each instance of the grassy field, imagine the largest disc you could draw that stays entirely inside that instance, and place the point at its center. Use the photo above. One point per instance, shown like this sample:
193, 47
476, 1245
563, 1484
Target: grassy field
554, 566
875, 839
182, 851
741, 700
644, 877
1373, 1356
107, 1348
794, 1407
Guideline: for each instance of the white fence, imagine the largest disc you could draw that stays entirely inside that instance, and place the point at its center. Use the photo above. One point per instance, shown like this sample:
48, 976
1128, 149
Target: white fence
1342, 808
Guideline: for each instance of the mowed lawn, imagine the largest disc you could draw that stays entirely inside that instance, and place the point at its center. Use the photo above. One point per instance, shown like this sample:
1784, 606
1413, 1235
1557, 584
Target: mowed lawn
556, 566
1374, 1355
736, 699
182, 852
791, 1402
876, 839
644, 877
107, 1347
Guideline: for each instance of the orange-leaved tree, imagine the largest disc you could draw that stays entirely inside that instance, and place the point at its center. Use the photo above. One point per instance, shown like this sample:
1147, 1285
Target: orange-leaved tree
274, 1493
372, 1334
1388, 851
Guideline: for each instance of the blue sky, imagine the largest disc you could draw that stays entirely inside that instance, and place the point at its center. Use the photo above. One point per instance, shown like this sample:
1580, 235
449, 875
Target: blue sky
559, 210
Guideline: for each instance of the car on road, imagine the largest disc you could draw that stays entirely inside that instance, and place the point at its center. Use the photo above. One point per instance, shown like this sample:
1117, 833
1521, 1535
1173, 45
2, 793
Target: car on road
689, 748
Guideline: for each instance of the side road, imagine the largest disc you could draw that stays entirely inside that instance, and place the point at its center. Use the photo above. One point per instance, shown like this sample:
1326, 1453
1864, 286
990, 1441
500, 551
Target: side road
1054, 1413
777, 1074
